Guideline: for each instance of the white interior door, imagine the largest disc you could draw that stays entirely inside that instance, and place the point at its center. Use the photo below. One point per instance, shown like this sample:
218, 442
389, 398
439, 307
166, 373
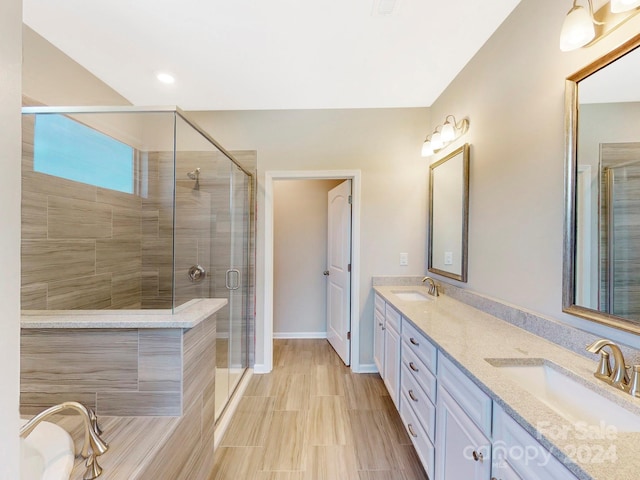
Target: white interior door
339, 270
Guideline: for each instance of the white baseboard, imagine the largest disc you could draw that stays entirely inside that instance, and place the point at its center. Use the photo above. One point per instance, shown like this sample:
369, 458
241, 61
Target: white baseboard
282, 335
260, 368
367, 368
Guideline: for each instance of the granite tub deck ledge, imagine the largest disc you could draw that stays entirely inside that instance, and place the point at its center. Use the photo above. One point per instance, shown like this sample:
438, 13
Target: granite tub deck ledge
185, 316
469, 337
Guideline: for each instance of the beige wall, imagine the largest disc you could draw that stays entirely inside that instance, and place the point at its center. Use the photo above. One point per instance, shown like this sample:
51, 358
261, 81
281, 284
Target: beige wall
300, 256
513, 93
65, 81
383, 143
10, 60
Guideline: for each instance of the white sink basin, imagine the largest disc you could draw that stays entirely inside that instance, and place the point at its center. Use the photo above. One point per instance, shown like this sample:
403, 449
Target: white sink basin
411, 296
46, 454
562, 392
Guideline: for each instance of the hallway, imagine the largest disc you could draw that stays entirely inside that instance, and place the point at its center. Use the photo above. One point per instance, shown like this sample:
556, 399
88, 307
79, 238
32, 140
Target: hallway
312, 419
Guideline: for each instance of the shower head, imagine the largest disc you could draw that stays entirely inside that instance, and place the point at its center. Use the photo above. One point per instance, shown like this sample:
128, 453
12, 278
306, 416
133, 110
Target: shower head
195, 174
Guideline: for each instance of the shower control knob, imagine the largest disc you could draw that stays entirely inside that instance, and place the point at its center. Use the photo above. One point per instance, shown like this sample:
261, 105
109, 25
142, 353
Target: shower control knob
197, 273
326, 273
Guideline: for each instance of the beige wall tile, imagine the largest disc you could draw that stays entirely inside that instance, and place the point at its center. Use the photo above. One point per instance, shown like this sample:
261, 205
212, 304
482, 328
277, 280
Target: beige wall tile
61, 360
160, 360
127, 224
126, 290
75, 219
34, 215
199, 358
118, 256
118, 199
135, 403
48, 260
56, 186
80, 293
32, 403
34, 296
174, 454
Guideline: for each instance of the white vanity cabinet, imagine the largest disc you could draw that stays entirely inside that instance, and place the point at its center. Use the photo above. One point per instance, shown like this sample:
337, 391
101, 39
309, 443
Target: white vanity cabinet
518, 456
392, 354
418, 393
463, 419
378, 334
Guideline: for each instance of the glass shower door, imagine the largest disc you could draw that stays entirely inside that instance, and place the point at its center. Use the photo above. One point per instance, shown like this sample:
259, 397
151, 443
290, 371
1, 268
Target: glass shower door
237, 275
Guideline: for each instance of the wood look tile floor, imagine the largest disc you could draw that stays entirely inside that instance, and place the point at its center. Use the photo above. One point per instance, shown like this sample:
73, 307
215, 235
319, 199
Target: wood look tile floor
312, 419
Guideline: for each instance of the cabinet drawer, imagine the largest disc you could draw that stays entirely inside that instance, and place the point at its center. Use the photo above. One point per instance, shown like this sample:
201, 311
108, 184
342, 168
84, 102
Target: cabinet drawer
509, 439
422, 407
420, 346
418, 436
379, 303
419, 372
476, 404
393, 318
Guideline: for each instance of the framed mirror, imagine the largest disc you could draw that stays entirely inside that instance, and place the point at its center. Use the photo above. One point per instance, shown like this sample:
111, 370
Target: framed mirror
601, 271
449, 215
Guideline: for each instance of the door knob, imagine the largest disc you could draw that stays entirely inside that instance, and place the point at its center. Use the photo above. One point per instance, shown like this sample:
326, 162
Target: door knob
326, 273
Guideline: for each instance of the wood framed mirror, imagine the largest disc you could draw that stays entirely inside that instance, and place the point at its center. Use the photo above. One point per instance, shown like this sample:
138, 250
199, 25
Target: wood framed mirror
601, 271
449, 215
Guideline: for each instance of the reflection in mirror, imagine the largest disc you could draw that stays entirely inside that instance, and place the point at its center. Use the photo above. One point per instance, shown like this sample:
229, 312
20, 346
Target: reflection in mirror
602, 236
448, 215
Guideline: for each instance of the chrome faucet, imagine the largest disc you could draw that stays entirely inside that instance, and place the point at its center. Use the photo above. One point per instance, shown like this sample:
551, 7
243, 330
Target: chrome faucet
433, 288
616, 376
93, 446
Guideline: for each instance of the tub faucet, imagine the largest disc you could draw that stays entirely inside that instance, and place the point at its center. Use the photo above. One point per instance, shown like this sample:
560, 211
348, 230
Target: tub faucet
93, 446
616, 376
433, 288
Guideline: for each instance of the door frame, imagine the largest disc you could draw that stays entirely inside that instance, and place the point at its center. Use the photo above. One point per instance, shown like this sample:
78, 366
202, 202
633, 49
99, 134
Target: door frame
270, 177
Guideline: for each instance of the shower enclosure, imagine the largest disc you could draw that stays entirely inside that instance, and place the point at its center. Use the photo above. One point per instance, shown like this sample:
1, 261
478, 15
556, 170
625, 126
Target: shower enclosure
137, 209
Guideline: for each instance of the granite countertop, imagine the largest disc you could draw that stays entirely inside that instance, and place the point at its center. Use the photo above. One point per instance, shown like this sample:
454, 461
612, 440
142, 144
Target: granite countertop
469, 336
186, 316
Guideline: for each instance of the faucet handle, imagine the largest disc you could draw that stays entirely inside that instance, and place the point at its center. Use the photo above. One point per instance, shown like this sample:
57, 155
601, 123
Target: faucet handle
603, 372
633, 386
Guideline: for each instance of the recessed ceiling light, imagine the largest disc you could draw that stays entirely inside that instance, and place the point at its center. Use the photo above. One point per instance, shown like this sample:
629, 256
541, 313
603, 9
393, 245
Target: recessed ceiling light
165, 78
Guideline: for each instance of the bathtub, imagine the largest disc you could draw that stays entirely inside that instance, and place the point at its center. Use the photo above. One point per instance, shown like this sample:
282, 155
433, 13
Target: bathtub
46, 454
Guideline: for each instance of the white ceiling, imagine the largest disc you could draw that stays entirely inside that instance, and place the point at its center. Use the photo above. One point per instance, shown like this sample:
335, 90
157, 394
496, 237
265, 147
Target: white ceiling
276, 54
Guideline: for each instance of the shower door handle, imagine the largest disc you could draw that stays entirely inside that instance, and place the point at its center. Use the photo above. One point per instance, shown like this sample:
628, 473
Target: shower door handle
232, 279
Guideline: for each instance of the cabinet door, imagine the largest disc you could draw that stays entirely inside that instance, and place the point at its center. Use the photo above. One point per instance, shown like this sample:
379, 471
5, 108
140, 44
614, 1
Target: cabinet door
462, 450
515, 450
503, 471
392, 363
378, 341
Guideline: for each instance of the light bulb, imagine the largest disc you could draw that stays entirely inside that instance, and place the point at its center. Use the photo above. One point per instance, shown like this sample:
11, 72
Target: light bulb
577, 29
618, 6
427, 150
436, 141
448, 132
165, 78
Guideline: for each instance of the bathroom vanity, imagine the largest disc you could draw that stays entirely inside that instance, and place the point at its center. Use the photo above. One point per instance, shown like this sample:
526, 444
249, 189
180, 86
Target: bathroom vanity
483, 399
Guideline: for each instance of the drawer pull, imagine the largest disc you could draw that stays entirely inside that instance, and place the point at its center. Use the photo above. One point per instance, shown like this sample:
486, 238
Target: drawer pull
412, 396
413, 366
414, 342
379, 324
477, 456
413, 434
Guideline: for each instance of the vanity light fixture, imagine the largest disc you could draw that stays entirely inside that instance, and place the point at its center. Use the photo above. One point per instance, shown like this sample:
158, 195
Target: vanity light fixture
444, 134
584, 26
578, 28
619, 6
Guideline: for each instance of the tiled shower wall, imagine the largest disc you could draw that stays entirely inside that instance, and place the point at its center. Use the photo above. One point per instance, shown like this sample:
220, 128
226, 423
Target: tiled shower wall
81, 244
85, 247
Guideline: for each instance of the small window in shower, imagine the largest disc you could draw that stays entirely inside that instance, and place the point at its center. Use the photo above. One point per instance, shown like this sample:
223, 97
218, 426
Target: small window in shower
68, 149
